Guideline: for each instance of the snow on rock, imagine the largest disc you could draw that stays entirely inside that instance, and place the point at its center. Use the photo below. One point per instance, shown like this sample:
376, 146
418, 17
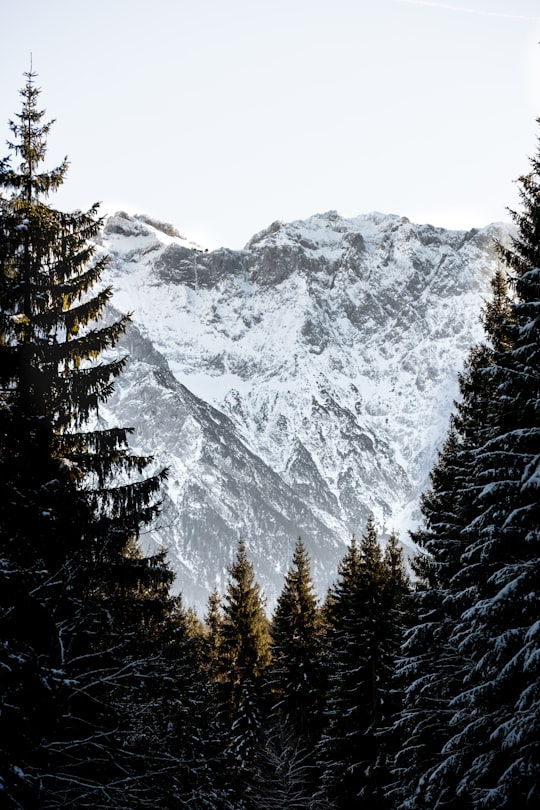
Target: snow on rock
296, 386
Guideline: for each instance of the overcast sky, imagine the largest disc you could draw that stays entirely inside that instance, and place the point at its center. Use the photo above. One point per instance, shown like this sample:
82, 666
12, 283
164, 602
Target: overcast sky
221, 116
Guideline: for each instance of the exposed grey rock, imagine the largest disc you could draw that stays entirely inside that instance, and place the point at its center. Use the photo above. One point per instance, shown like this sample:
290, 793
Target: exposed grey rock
296, 386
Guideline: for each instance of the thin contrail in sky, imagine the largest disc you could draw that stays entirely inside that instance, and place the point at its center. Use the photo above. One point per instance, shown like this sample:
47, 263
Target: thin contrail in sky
468, 10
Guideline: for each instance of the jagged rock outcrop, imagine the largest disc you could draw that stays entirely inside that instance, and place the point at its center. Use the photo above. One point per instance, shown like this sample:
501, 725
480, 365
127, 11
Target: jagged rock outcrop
296, 386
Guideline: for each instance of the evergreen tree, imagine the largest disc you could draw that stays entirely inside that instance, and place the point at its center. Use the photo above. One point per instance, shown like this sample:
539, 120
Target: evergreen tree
486, 568
433, 668
174, 718
295, 674
212, 636
497, 715
75, 591
244, 655
364, 641
341, 729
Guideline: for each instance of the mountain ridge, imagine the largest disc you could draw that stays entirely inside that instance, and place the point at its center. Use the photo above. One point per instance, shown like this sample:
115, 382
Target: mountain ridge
312, 376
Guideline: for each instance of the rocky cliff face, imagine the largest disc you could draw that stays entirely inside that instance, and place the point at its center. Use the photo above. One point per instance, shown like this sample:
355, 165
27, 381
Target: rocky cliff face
296, 386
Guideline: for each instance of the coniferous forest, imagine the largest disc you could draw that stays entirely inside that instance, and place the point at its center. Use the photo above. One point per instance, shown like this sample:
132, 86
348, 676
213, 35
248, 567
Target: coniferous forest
396, 692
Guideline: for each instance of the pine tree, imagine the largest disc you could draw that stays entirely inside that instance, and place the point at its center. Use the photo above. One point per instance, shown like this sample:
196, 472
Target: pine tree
497, 715
244, 654
364, 641
211, 643
285, 774
295, 675
173, 717
430, 669
433, 668
75, 591
485, 564
341, 729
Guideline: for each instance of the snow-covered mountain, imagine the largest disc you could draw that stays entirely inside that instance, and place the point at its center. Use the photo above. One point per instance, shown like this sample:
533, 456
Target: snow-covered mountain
293, 387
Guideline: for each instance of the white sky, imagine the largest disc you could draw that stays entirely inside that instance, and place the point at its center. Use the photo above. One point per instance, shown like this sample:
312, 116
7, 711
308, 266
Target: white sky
221, 116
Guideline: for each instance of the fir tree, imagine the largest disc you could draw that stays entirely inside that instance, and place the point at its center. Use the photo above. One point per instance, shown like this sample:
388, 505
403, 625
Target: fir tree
486, 567
497, 715
173, 717
364, 642
75, 590
244, 655
295, 674
212, 636
430, 668
433, 668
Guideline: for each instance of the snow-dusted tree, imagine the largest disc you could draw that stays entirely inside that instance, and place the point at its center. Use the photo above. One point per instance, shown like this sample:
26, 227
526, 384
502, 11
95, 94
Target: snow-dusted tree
343, 659
486, 569
497, 713
430, 670
172, 716
244, 655
285, 773
75, 591
295, 675
433, 668
364, 641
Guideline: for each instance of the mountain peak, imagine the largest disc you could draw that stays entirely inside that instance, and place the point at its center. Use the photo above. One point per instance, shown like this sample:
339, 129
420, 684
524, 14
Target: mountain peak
313, 375
127, 225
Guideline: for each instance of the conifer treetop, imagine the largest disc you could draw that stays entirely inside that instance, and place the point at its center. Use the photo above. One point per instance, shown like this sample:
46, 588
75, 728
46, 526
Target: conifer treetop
30, 144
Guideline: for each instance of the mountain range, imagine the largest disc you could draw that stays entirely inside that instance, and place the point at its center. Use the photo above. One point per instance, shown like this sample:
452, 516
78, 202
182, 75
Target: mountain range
294, 387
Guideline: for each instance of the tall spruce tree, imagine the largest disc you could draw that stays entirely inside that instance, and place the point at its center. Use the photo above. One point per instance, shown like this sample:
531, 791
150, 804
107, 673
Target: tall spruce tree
363, 644
244, 641
433, 668
75, 591
488, 755
172, 716
334, 751
295, 675
244, 655
498, 711
430, 670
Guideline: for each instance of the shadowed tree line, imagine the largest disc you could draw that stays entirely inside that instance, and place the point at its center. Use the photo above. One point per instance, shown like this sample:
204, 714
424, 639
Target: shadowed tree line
388, 695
